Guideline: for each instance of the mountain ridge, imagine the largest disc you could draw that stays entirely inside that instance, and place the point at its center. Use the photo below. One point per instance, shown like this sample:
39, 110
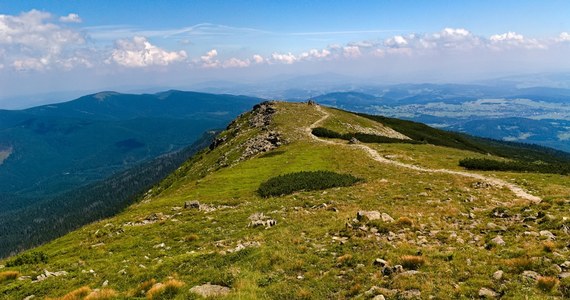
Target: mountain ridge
403, 230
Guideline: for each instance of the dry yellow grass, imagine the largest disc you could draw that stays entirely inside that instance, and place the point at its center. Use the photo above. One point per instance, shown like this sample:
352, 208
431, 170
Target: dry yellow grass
8, 275
77, 294
104, 294
547, 283
412, 262
404, 222
549, 246
164, 290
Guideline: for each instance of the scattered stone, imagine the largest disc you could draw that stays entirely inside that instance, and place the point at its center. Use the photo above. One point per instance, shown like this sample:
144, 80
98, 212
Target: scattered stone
410, 294
264, 142
498, 240
565, 265
210, 290
380, 262
161, 245
564, 275
30, 297
240, 246
487, 293
531, 275
22, 278
122, 272
311, 102
2, 266
481, 185
105, 283
390, 293
47, 274
498, 275
368, 215
259, 219
191, 204
549, 235
97, 245
379, 297
387, 218
353, 140
531, 233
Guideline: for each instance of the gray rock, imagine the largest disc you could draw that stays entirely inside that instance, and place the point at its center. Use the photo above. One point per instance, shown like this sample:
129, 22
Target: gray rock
380, 262
379, 297
549, 235
530, 275
353, 140
487, 293
210, 290
30, 297
192, 204
565, 265
410, 294
368, 215
564, 275
387, 218
498, 240
498, 275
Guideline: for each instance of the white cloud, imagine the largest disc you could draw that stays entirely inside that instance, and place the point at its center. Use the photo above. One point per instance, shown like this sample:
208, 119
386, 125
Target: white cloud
315, 54
71, 18
351, 51
564, 37
236, 63
283, 58
509, 36
32, 42
209, 60
258, 59
139, 52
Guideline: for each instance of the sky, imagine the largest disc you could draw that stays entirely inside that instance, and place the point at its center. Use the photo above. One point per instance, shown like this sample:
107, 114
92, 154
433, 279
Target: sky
80, 45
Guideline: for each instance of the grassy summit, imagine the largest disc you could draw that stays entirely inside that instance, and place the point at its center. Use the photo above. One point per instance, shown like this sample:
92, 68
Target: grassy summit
402, 232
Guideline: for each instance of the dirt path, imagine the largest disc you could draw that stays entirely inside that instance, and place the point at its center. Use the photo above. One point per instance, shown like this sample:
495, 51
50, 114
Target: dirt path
519, 192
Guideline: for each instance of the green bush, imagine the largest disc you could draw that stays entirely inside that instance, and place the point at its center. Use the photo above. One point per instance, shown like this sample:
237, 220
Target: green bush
28, 258
484, 164
363, 137
304, 181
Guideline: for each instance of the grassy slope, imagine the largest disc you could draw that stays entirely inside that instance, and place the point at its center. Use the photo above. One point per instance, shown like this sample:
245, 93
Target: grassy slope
298, 258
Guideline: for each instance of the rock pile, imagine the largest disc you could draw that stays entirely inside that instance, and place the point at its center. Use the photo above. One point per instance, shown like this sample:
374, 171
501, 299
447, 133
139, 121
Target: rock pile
259, 219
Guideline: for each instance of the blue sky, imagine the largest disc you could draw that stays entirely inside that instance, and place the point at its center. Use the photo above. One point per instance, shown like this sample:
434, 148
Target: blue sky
50, 46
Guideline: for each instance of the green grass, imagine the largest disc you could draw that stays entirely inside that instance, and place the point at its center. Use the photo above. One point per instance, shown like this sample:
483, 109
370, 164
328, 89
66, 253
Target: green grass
316, 251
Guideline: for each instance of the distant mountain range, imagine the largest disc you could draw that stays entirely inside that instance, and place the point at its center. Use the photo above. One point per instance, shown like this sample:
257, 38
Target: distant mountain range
51, 149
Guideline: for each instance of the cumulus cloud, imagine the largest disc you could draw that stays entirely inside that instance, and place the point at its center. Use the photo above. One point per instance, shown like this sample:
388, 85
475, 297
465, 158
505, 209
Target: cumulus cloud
139, 52
315, 54
71, 18
32, 42
351, 51
209, 60
564, 37
236, 63
258, 59
287, 58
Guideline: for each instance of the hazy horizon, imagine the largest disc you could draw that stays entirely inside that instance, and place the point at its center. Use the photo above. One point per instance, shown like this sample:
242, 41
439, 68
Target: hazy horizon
49, 47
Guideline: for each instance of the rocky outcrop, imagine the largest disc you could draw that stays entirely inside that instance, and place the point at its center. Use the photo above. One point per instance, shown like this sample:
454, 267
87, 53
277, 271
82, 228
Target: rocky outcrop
210, 290
264, 142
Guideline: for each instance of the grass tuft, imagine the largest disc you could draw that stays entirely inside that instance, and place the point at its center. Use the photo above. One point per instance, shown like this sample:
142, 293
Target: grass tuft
104, 294
77, 294
412, 262
8, 275
547, 283
165, 290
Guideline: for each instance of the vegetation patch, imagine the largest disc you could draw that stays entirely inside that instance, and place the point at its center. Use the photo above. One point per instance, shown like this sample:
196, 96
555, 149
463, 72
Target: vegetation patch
8, 275
484, 164
28, 258
363, 137
305, 181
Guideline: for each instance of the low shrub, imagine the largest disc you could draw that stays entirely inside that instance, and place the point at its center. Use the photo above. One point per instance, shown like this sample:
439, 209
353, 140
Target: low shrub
485, 164
363, 137
28, 258
304, 181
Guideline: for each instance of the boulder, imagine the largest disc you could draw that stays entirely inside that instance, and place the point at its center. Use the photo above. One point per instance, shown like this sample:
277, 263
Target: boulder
487, 293
368, 215
192, 204
498, 240
530, 275
498, 275
210, 290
